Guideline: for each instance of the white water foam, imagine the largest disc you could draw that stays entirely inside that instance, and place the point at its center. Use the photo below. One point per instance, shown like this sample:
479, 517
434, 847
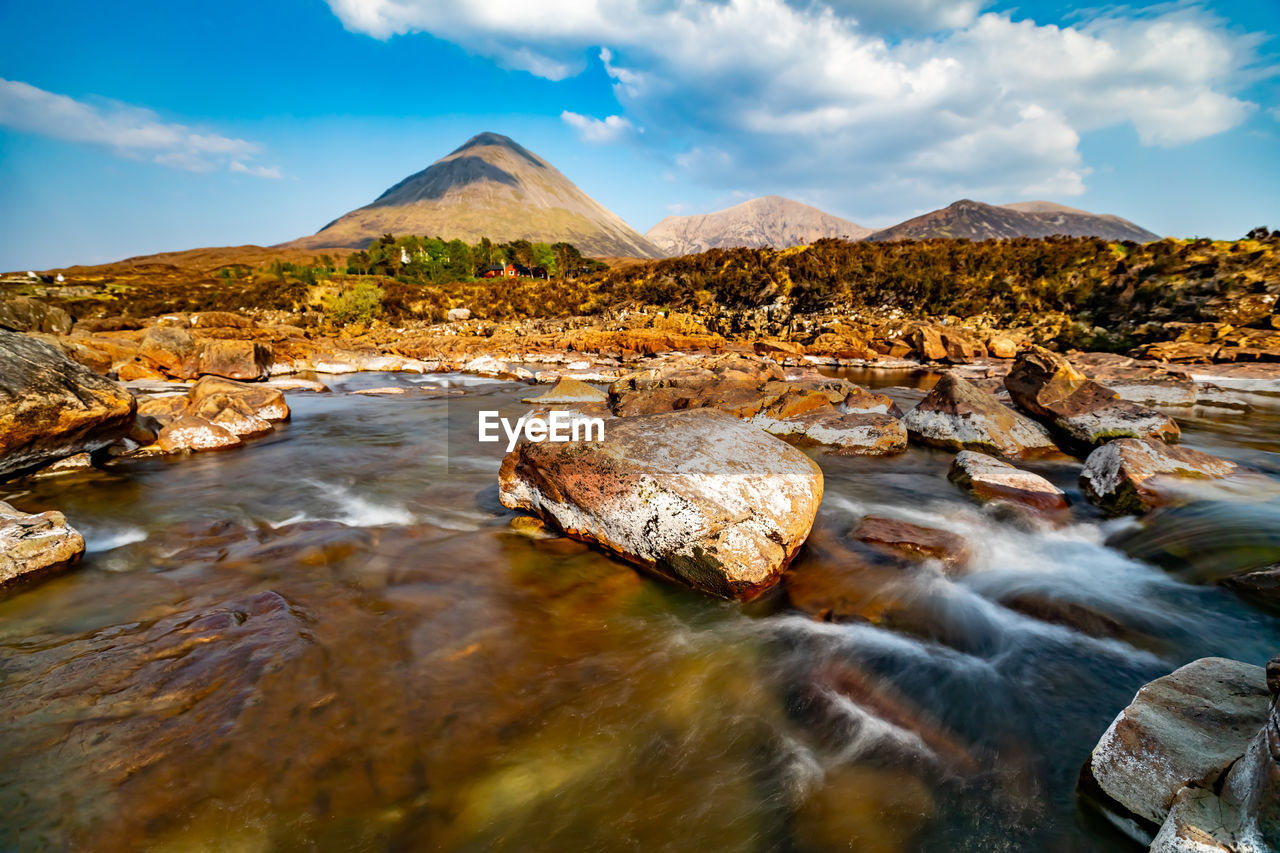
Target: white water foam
97, 540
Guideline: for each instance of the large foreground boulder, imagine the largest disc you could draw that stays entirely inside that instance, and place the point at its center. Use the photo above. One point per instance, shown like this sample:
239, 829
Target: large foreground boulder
32, 544
959, 415
1132, 475
215, 414
697, 497
51, 407
1194, 760
1083, 412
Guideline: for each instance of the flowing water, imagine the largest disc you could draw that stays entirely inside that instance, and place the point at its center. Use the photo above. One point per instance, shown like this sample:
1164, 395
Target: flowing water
334, 639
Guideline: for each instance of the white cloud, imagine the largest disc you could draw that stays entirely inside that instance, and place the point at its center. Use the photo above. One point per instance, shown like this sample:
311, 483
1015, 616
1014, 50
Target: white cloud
130, 131
272, 172
896, 101
608, 129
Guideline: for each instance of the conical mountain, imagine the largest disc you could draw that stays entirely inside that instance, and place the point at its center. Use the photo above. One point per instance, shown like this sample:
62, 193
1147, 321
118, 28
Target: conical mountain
490, 187
974, 220
766, 221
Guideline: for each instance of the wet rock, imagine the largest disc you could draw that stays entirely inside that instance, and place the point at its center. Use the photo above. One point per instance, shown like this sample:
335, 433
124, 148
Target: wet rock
1069, 614
170, 350
191, 433
846, 434
1082, 411
568, 391
32, 544
71, 465
266, 402
1139, 382
698, 497
959, 415
232, 359
52, 407
231, 413
24, 314
1181, 732
1126, 475
990, 479
1262, 586
913, 540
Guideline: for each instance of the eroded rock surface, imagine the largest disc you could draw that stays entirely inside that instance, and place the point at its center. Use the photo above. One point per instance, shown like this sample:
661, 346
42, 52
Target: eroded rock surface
989, 479
34, 543
1126, 475
1082, 411
699, 497
959, 415
52, 407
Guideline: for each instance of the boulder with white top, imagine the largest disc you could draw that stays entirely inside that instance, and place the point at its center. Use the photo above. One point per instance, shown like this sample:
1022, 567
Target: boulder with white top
1132, 475
990, 479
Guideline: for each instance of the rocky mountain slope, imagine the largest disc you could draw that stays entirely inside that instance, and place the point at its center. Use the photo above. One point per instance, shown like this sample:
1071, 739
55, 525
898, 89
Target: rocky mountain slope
490, 187
766, 221
974, 220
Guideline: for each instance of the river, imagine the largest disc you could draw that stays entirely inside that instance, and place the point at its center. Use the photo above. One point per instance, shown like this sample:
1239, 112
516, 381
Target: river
334, 639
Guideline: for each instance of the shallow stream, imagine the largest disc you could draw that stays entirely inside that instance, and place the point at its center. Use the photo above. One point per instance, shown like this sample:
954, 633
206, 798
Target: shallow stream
333, 639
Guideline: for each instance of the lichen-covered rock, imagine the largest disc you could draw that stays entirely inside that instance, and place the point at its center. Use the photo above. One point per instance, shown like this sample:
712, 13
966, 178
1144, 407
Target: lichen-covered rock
1082, 411
191, 433
697, 497
170, 349
990, 479
569, 390
1126, 475
959, 415
1181, 732
51, 407
34, 543
847, 434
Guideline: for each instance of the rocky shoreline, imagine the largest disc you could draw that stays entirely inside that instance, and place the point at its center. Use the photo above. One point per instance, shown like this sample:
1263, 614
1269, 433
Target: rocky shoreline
706, 480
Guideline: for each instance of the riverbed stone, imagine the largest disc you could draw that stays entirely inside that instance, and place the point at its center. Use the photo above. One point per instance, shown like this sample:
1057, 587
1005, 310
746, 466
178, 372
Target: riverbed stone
958, 415
849, 434
191, 433
913, 540
1185, 729
697, 497
1126, 475
1082, 411
35, 543
52, 407
990, 479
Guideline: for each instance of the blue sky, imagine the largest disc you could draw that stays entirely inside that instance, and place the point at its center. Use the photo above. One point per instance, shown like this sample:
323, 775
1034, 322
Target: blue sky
157, 125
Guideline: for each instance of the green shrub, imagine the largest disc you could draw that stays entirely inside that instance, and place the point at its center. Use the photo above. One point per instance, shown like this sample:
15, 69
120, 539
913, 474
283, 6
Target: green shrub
360, 303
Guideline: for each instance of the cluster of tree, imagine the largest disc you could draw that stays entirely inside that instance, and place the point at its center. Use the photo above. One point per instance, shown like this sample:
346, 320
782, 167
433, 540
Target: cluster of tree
431, 260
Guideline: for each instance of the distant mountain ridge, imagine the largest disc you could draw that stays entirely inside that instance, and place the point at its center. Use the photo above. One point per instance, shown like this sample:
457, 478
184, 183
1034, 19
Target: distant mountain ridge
974, 220
488, 187
765, 221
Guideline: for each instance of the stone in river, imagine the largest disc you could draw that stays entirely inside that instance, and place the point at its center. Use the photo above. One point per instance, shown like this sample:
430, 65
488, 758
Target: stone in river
850, 434
697, 497
189, 432
959, 415
31, 544
913, 540
1126, 475
569, 390
1184, 733
1083, 412
51, 407
171, 350
988, 478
